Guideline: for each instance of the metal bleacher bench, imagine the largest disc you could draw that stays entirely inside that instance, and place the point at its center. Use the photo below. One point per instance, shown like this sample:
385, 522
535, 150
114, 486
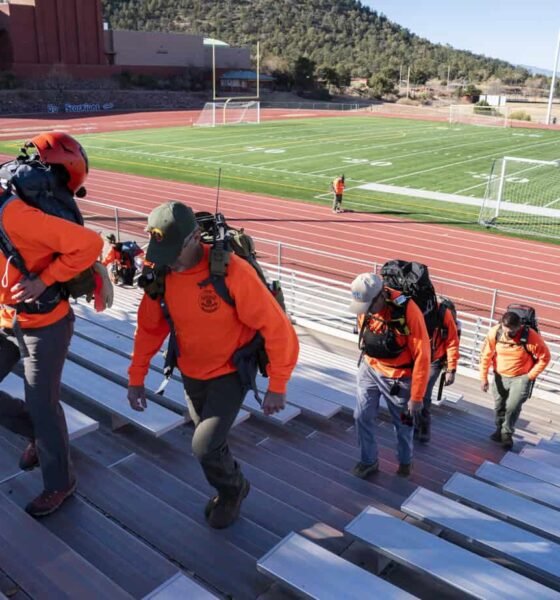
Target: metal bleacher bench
78, 423
520, 484
110, 396
530, 515
541, 455
550, 445
441, 560
313, 572
483, 532
180, 587
531, 467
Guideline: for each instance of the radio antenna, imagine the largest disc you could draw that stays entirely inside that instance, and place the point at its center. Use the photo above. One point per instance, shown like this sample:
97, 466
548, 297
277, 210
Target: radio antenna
218, 188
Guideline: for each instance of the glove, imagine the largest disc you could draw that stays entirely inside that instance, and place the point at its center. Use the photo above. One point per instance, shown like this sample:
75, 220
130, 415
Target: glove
103, 294
449, 377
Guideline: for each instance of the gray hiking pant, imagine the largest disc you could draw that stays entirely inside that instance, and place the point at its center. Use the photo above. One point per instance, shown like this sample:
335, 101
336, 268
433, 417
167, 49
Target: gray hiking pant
371, 387
213, 406
40, 417
509, 395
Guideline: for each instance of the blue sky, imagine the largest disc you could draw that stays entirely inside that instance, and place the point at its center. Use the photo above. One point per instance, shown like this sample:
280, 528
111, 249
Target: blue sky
519, 31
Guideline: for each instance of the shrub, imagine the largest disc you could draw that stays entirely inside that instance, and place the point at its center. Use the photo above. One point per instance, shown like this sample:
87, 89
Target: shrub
520, 115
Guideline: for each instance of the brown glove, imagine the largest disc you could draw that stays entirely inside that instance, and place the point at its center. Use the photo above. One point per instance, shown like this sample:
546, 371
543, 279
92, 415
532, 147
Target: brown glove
103, 294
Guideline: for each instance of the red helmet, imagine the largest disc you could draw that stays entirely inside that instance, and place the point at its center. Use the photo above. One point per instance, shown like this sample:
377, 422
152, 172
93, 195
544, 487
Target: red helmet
59, 148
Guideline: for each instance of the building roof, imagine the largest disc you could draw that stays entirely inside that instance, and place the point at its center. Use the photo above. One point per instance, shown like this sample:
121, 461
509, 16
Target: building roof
248, 75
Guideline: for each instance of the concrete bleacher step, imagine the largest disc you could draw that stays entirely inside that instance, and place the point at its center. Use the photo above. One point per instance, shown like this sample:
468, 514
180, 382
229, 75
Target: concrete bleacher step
78, 423
115, 552
43, 566
191, 543
541, 455
180, 587
111, 397
534, 554
531, 467
530, 515
313, 572
520, 483
441, 560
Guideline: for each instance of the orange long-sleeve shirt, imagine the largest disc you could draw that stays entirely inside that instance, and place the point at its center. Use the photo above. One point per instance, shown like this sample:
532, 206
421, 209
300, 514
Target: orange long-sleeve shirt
51, 247
209, 330
416, 351
448, 347
510, 359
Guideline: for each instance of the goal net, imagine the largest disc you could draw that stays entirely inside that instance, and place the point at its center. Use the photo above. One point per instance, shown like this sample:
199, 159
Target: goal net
523, 196
472, 114
228, 112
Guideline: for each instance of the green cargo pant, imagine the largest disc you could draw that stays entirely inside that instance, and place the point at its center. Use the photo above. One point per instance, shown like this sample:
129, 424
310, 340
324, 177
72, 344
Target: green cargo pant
509, 395
213, 407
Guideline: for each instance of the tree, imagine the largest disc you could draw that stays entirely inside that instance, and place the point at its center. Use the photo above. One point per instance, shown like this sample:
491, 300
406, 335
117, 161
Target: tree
304, 73
381, 85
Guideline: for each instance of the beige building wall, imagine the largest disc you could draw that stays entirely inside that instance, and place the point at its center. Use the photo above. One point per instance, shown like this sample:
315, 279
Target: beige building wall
228, 57
150, 48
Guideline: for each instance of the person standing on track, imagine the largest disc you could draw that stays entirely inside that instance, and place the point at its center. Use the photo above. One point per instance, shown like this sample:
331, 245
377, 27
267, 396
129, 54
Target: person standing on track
337, 187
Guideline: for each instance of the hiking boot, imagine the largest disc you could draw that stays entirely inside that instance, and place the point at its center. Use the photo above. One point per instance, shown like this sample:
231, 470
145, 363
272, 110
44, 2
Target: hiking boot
47, 502
223, 511
507, 441
404, 470
29, 459
497, 435
364, 470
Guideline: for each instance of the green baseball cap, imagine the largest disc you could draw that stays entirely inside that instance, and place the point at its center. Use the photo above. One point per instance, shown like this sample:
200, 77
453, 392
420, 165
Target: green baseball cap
168, 225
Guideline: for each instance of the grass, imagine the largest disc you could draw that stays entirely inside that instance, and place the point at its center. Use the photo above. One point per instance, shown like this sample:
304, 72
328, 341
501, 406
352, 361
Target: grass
298, 159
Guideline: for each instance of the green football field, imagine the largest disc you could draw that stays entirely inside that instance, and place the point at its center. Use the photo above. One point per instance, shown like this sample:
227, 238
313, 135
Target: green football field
298, 158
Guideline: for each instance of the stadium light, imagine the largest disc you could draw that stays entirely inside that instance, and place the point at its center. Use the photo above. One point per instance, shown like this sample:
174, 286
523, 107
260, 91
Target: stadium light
553, 82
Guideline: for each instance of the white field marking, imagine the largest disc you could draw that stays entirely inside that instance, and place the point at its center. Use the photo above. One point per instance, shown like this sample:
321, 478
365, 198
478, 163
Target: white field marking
376, 146
462, 162
366, 161
532, 135
417, 153
418, 193
552, 203
456, 199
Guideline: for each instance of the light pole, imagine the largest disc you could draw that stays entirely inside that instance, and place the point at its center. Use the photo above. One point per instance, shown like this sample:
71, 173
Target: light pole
553, 83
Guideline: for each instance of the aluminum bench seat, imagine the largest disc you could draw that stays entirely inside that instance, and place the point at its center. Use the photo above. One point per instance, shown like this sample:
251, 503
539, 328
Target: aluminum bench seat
313, 572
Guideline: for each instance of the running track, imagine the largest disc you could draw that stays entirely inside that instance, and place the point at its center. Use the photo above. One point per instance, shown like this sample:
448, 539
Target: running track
518, 268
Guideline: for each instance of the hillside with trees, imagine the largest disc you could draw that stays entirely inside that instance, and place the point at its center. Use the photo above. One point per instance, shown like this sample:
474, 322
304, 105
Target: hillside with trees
339, 39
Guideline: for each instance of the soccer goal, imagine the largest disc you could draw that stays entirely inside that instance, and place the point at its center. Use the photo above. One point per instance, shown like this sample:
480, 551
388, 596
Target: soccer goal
523, 196
229, 112
472, 114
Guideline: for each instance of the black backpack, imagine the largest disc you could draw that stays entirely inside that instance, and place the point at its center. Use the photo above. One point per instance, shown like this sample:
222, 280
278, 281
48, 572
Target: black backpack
413, 280
40, 186
529, 321
129, 251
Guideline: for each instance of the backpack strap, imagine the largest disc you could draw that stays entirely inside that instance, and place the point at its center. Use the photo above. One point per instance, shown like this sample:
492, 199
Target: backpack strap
522, 340
443, 330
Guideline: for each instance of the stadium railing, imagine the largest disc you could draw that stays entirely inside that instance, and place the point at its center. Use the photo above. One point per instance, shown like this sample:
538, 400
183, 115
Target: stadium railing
317, 292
